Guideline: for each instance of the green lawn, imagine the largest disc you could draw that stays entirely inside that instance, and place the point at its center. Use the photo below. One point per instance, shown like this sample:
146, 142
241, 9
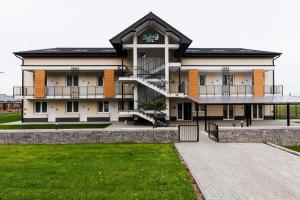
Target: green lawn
9, 117
281, 111
52, 126
294, 148
92, 171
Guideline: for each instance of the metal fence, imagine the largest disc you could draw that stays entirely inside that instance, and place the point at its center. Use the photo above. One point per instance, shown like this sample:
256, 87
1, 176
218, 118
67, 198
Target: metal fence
213, 131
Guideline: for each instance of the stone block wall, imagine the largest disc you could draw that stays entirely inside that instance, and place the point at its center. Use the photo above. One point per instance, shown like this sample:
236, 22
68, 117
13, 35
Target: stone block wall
285, 136
134, 135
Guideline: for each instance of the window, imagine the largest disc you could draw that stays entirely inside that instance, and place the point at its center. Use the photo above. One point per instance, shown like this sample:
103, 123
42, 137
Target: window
103, 106
72, 80
72, 106
100, 79
202, 79
41, 107
201, 108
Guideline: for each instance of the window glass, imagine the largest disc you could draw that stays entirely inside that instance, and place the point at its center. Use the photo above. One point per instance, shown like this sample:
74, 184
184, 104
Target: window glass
75, 106
69, 106
75, 80
37, 107
44, 107
202, 79
100, 106
69, 80
130, 105
100, 79
106, 106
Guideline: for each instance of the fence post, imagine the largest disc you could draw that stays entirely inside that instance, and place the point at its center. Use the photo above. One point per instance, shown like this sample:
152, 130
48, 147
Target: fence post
178, 133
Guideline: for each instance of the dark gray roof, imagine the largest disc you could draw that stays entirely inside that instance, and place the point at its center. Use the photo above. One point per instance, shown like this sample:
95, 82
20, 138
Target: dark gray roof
184, 41
69, 52
195, 52
102, 52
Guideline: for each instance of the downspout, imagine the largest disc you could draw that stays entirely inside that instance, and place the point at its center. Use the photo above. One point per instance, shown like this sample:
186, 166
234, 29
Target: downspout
274, 106
22, 89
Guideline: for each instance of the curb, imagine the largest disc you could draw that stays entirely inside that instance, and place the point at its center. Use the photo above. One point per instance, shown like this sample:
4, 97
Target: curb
283, 148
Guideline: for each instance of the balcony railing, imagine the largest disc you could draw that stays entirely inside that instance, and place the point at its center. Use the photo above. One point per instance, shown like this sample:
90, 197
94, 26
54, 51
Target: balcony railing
276, 90
72, 91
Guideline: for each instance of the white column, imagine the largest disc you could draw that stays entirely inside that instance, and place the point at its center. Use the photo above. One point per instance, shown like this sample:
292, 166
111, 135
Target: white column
135, 89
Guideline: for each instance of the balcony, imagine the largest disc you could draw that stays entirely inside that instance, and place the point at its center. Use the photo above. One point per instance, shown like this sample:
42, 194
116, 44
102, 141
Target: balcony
73, 92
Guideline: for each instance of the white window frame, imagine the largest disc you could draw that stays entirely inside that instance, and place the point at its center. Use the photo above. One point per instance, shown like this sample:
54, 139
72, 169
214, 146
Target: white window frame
103, 106
41, 107
72, 107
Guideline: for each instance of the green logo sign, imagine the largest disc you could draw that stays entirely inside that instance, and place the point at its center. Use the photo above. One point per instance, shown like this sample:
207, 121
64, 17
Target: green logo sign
150, 37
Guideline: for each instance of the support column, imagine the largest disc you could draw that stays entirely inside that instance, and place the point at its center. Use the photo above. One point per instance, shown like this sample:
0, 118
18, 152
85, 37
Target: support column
274, 112
250, 114
288, 114
167, 109
197, 109
167, 76
246, 116
205, 116
135, 89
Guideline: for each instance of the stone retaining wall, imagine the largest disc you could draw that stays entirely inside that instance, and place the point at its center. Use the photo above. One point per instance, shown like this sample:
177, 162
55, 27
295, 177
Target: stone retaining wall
63, 136
285, 136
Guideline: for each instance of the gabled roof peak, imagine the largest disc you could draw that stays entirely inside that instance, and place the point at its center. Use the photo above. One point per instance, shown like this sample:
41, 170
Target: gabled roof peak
117, 40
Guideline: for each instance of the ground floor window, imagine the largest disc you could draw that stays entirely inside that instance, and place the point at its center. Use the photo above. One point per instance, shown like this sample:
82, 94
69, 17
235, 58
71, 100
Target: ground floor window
41, 107
201, 107
72, 106
103, 106
228, 112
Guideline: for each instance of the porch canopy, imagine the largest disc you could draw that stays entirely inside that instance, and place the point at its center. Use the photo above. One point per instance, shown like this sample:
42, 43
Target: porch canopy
247, 101
267, 100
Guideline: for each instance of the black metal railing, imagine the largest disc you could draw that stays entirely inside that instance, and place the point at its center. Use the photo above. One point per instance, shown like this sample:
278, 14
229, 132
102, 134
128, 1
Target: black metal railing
213, 131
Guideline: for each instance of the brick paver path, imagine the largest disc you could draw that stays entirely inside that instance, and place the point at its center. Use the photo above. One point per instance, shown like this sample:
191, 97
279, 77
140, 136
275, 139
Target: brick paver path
242, 171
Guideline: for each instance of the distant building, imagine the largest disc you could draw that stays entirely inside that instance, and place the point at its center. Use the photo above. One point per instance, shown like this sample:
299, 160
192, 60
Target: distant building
9, 104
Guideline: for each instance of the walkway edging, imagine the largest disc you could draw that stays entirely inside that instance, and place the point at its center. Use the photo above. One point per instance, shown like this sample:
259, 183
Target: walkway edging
283, 148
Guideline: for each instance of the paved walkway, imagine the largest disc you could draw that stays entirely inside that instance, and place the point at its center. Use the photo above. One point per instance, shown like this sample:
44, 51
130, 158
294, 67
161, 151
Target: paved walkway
242, 171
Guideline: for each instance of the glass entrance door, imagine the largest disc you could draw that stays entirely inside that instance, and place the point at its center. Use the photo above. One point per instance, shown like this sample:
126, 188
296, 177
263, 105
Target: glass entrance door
257, 111
228, 112
184, 111
227, 81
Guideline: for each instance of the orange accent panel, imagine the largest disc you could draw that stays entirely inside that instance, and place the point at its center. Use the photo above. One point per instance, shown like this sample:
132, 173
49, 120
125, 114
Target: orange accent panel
39, 83
258, 82
193, 83
109, 83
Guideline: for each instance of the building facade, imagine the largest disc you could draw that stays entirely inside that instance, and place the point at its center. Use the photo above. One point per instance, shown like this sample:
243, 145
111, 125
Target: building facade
150, 61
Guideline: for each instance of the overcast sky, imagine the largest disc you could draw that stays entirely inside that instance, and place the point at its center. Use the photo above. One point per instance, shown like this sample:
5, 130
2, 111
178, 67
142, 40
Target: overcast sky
272, 25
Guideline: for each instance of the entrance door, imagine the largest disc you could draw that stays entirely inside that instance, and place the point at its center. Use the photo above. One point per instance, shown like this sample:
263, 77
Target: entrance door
83, 112
257, 111
51, 112
184, 111
228, 112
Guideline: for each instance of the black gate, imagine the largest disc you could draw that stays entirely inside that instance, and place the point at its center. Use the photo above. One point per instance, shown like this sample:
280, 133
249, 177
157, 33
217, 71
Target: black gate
188, 133
213, 131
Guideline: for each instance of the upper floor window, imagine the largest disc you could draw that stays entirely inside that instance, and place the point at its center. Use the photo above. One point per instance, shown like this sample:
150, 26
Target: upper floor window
202, 79
72, 106
72, 80
41, 107
100, 79
103, 106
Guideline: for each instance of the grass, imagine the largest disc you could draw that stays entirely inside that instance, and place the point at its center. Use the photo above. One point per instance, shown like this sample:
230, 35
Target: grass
9, 117
52, 126
93, 171
295, 148
281, 111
